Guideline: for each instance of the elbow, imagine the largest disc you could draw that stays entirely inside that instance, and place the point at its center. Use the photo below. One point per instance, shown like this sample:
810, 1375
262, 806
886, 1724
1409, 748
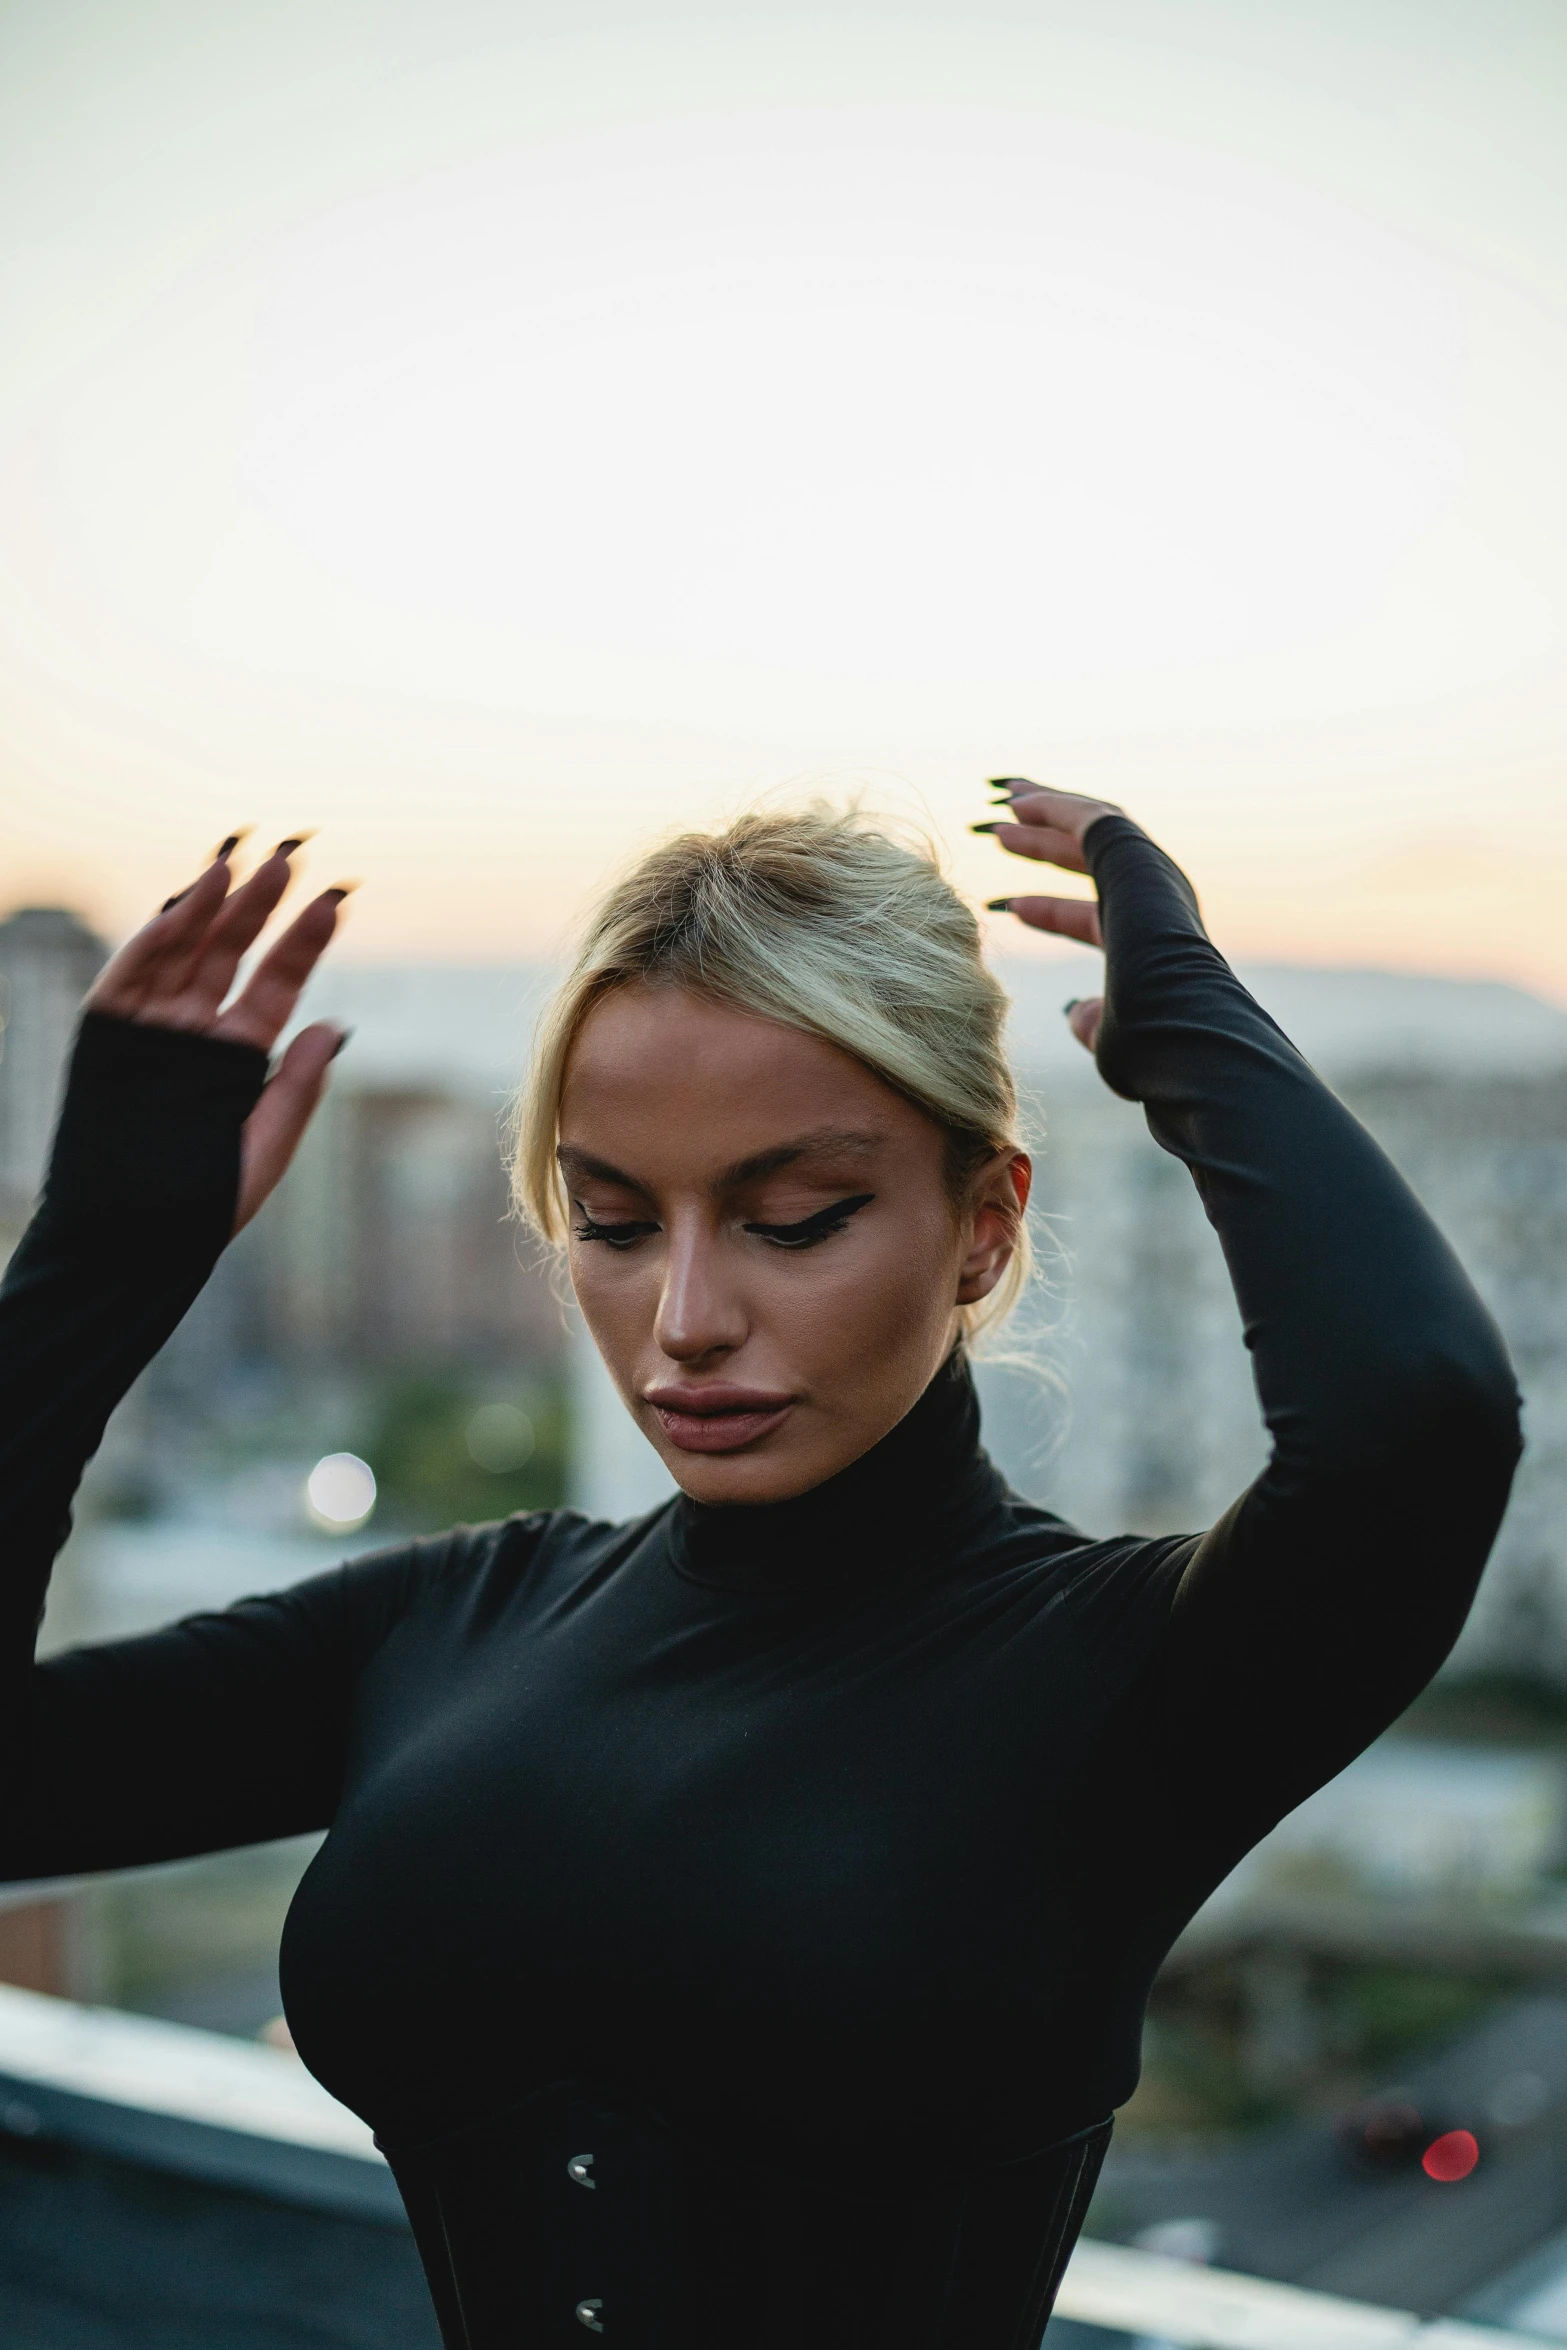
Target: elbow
1477, 1396
1424, 1412
1457, 1410
1503, 1408
1399, 1482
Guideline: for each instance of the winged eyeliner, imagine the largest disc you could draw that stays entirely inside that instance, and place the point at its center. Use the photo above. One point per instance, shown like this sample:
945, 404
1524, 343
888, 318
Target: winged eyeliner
817, 1227
825, 1220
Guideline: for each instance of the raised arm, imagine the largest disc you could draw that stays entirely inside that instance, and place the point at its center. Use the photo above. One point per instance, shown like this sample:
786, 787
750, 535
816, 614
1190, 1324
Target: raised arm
1318, 1606
169, 1139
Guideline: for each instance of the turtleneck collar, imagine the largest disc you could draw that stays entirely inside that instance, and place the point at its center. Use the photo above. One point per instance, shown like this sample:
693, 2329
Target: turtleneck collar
912, 1500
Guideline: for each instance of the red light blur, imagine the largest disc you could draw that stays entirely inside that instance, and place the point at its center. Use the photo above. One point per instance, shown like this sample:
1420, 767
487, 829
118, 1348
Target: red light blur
1452, 2156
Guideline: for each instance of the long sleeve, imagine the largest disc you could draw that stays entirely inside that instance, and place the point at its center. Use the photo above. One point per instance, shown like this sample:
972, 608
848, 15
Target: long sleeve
1320, 1604
224, 1729
138, 1206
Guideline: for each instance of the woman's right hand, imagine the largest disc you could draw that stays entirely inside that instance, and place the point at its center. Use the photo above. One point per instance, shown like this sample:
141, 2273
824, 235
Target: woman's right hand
177, 971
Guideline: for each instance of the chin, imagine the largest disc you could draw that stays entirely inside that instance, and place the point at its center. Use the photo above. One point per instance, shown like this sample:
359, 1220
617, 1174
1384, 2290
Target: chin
743, 1478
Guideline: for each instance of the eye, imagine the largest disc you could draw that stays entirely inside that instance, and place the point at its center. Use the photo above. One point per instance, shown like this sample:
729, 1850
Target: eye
813, 1229
617, 1236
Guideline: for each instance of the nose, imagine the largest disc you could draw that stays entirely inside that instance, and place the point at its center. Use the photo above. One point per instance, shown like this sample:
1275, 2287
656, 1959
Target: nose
699, 1311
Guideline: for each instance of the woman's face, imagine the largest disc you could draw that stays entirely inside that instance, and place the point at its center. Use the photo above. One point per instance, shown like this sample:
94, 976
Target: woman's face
763, 1240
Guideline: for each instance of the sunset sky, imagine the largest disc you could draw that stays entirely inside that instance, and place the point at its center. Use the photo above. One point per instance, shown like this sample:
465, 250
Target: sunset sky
494, 434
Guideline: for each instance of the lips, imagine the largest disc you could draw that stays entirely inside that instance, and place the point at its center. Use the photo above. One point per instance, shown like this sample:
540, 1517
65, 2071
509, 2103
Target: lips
717, 1419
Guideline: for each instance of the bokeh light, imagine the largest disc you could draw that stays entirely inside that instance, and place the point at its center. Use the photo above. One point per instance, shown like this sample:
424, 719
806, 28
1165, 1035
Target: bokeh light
340, 1492
1451, 2157
499, 1436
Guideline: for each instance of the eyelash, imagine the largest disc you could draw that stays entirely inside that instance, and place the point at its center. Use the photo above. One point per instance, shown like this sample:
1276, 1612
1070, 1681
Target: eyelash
809, 1233
619, 1236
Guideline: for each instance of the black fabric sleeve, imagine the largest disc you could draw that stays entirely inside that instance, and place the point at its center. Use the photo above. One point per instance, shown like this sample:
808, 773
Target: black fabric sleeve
1318, 1606
137, 1208
222, 1730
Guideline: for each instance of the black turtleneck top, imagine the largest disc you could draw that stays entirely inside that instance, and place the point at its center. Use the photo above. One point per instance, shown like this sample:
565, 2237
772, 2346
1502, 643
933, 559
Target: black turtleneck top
861, 1822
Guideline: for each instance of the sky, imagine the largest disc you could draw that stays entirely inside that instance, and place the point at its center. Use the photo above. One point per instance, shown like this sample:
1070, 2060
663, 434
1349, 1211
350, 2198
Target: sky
496, 435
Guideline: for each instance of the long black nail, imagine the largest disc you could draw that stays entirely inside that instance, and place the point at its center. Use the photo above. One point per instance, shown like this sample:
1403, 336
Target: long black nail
286, 848
998, 905
335, 897
1070, 1006
173, 901
342, 1040
226, 848
1011, 783
985, 827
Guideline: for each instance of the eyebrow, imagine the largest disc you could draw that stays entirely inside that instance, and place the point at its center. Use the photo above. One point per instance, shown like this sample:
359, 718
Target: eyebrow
574, 1164
822, 1141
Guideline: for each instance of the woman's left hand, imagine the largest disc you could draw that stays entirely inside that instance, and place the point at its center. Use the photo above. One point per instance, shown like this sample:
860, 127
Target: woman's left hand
1049, 826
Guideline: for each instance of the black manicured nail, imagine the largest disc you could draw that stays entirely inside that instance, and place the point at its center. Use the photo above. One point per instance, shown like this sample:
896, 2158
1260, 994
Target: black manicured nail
1070, 1006
173, 901
226, 848
342, 1040
998, 905
1011, 783
286, 848
985, 827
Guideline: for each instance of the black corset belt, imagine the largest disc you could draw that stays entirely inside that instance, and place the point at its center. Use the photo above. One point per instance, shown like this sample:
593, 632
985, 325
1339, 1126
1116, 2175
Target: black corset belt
570, 2217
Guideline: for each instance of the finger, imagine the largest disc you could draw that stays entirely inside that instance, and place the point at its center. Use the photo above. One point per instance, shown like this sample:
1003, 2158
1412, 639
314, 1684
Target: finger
235, 929
1067, 917
1071, 812
1083, 1017
272, 1132
1048, 843
1074, 810
156, 958
197, 941
265, 1005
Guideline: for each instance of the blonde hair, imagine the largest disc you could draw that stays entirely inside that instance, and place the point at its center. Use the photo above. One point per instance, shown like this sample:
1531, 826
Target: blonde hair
821, 920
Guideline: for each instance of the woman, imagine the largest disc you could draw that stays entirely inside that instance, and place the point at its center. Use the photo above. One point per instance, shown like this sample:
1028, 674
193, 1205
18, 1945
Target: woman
737, 1924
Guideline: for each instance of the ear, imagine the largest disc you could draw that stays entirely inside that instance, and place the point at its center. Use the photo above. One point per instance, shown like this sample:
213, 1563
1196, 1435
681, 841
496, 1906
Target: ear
998, 1199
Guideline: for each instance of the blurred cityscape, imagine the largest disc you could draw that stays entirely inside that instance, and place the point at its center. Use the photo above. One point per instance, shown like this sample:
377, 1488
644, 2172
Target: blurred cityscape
381, 1354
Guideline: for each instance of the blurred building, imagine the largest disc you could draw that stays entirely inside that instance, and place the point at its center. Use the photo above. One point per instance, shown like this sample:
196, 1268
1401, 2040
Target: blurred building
1145, 1416
48, 961
1487, 1152
392, 1242
1416, 1819
391, 1245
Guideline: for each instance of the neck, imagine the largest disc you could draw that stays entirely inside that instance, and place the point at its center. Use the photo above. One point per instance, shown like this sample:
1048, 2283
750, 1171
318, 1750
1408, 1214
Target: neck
900, 1509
